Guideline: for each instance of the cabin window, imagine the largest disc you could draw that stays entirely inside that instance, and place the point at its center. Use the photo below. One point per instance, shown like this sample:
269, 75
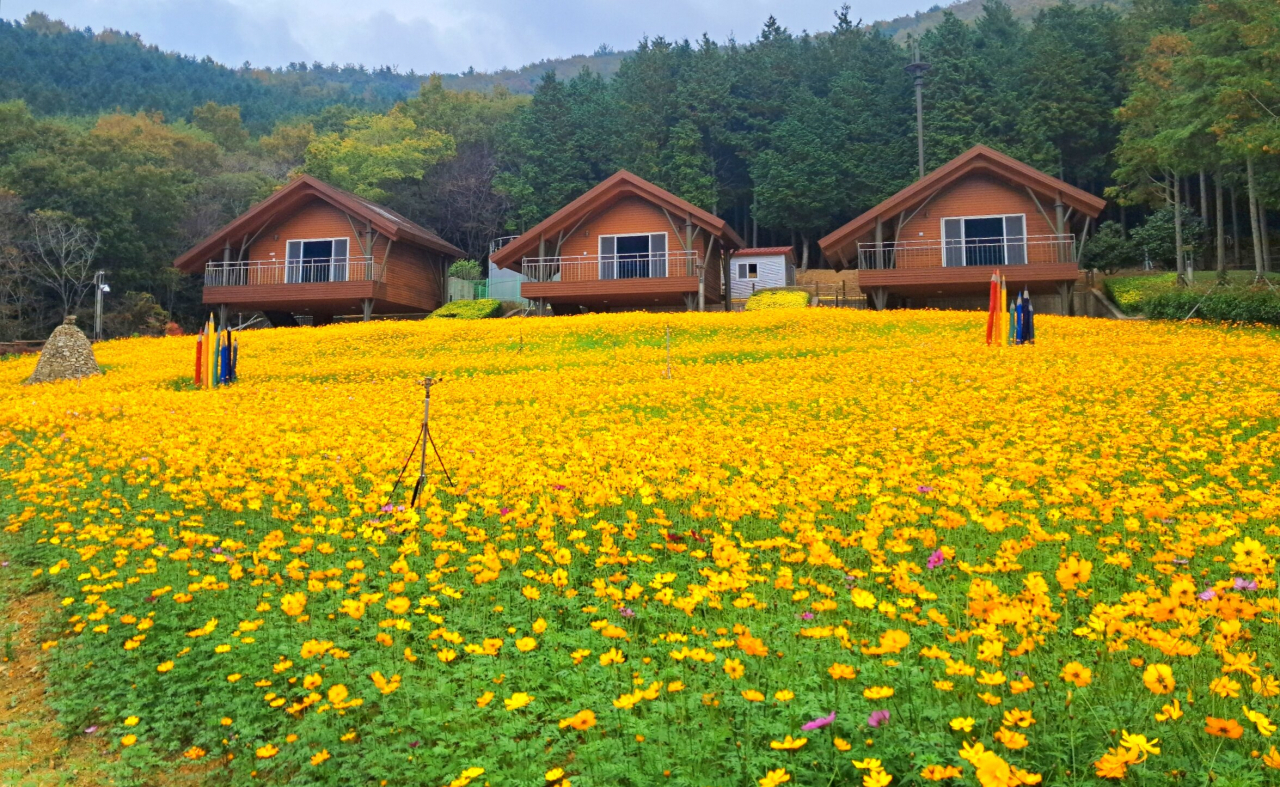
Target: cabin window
748, 270
984, 240
641, 256
316, 260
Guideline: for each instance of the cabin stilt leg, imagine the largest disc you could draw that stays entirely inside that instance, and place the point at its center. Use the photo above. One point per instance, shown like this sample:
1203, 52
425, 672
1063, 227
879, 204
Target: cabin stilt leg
1065, 291
367, 303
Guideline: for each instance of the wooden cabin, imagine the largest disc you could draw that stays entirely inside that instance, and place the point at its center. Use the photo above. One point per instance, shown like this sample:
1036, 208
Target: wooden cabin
625, 244
938, 240
751, 270
313, 249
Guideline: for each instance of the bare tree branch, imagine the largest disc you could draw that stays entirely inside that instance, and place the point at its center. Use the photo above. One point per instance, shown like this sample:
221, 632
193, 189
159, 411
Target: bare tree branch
60, 254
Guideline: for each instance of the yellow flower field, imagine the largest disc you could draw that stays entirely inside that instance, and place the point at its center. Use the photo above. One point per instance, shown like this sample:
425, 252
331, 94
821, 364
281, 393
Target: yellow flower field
830, 547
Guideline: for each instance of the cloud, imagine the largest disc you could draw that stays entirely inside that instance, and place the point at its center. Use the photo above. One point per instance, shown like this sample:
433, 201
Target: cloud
433, 35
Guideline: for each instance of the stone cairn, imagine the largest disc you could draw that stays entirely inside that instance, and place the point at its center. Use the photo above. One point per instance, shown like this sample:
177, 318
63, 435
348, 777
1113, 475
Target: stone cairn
67, 355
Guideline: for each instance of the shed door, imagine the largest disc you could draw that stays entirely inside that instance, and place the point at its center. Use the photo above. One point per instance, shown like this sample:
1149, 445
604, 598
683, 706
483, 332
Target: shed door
953, 243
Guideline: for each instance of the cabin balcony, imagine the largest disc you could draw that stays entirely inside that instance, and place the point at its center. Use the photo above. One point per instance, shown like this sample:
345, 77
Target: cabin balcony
916, 270
327, 285
617, 280
967, 253
264, 273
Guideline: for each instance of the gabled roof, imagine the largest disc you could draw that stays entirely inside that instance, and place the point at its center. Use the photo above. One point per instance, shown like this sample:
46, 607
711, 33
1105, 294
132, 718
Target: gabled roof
978, 158
619, 185
295, 195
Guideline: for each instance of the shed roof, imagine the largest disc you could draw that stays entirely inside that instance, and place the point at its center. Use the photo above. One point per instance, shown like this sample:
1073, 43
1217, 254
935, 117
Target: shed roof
295, 195
767, 251
602, 195
978, 158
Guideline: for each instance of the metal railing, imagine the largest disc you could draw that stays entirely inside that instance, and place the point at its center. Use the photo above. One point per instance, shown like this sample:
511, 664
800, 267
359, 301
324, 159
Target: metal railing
1032, 249
591, 267
323, 270
498, 243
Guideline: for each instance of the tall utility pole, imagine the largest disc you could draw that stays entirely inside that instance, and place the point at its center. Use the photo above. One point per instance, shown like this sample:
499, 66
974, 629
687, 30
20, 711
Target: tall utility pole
917, 70
100, 287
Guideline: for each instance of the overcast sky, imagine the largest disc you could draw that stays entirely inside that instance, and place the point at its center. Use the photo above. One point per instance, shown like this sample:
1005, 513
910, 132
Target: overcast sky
434, 35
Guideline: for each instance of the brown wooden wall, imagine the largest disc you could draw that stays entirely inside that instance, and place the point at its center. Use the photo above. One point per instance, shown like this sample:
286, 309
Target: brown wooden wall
317, 219
627, 216
975, 195
413, 276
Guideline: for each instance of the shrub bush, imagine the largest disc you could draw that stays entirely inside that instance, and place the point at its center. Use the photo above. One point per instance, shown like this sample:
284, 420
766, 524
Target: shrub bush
777, 299
1159, 297
466, 269
470, 310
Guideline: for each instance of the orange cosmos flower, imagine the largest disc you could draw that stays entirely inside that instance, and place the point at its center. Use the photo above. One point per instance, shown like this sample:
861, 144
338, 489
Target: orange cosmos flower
1077, 674
1073, 572
1223, 728
1158, 678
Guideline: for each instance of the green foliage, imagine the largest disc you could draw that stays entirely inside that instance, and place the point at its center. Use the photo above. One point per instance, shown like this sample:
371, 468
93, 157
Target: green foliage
1110, 248
221, 123
777, 299
1160, 297
470, 310
57, 70
1154, 238
374, 151
466, 269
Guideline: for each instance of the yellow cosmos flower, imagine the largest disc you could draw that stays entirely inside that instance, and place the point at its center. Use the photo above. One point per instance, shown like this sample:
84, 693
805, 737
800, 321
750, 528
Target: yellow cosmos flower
788, 743
517, 701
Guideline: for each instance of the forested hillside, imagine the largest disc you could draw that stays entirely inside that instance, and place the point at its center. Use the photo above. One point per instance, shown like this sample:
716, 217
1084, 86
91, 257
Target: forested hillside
1165, 108
58, 70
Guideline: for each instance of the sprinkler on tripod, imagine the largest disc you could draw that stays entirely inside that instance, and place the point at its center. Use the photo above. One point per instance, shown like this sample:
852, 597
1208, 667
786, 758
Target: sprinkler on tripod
424, 437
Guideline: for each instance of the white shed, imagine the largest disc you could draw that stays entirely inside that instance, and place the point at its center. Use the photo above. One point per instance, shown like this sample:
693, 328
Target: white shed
751, 270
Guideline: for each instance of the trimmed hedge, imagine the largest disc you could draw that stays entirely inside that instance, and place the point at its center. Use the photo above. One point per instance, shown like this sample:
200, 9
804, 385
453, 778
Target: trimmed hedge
470, 310
1159, 297
777, 299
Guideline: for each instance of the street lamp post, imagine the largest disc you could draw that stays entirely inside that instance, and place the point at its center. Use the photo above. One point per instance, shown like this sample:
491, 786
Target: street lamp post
917, 70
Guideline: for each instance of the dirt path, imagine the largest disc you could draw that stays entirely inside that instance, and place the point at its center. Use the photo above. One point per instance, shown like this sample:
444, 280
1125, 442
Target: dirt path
33, 752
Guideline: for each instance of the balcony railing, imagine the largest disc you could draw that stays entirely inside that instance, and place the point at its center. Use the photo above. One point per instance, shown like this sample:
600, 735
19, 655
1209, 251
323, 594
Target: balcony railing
1032, 249
656, 265
323, 270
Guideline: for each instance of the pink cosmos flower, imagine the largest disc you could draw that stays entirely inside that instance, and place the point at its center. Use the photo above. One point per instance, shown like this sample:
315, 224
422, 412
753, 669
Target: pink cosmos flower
936, 559
878, 717
818, 724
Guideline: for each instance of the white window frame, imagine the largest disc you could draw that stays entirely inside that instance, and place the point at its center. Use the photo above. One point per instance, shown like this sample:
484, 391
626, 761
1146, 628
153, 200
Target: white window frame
751, 269
942, 234
606, 259
334, 266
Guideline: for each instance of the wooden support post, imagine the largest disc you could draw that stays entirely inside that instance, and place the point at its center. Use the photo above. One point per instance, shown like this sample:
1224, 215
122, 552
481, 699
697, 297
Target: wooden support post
367, 303
223, 314
879, 243
1065, 290
1060, 215
724, 281
880, 297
